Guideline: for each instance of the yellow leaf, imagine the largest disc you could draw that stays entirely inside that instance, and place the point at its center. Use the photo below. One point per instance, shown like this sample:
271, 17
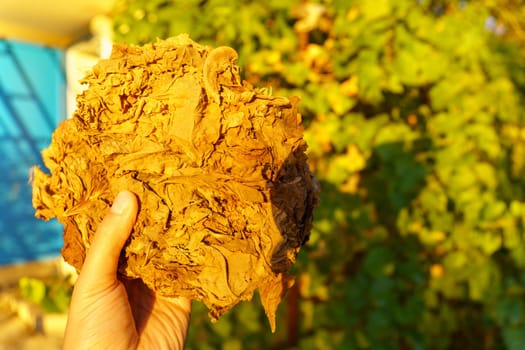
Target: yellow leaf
350, 87
351, 185
437, 270
356, 160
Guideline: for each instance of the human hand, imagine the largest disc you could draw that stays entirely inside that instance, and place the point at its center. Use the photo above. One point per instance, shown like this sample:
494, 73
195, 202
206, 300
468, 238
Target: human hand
106, 313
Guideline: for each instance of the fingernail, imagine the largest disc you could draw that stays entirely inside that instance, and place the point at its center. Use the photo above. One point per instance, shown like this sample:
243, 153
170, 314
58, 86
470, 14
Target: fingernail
120, 204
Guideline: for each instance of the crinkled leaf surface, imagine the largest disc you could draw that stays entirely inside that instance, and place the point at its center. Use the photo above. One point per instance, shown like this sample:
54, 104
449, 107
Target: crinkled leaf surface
226, 196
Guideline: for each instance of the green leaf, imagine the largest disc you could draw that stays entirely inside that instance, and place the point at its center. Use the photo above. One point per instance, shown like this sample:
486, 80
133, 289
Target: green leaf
223, 327
509, 311
455, 261
481, 281
248, 316
489, 242
494, 210
379, 261
232, 344
32, 289
514, 337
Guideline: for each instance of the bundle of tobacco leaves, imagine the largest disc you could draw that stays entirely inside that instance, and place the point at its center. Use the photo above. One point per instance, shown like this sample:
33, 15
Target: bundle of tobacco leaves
226, 195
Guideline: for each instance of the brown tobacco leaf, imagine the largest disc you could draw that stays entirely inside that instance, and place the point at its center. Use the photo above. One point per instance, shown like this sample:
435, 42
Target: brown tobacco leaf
226, 196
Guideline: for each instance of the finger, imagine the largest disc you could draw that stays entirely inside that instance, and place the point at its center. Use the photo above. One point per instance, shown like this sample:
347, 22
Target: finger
103, 255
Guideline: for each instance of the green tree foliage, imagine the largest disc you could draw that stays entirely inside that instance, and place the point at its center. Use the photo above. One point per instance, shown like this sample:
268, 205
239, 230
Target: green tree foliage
52, 296
415, 124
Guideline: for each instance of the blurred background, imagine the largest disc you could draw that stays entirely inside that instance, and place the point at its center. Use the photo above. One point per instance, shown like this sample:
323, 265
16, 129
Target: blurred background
414, 115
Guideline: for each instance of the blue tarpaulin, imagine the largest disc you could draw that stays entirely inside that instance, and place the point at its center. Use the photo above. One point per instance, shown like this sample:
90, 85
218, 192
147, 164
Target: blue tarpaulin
32, 103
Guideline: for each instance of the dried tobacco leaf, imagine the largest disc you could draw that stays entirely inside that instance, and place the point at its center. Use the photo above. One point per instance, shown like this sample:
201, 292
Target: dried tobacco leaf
226, 196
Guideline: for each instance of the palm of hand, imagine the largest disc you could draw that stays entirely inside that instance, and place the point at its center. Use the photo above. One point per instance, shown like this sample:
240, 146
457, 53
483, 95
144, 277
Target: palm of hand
161, 322
107, 313
129, 316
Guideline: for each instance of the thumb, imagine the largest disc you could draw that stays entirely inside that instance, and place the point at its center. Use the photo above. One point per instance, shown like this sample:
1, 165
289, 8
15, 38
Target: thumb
101, 262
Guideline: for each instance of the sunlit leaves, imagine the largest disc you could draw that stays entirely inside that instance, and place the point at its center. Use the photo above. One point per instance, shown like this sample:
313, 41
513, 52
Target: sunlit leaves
414, 115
